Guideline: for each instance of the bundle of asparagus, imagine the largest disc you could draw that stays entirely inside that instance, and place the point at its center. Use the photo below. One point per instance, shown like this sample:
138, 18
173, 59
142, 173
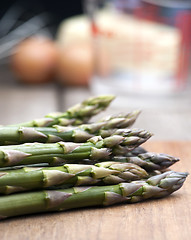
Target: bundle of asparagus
62, 162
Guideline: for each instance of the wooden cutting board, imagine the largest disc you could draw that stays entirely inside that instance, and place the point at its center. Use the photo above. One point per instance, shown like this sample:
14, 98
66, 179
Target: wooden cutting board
167, 218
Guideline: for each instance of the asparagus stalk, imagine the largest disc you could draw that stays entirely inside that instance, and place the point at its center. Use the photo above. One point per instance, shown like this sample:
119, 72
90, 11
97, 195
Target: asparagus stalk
17, 135
76, 115
59, 200
56, 153
68, 175
148, 161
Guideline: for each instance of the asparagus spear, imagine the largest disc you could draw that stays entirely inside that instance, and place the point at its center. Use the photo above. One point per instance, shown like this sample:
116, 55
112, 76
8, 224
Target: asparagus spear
59, 200
57, 153
68, 175
76, 115
149, 161
17, 135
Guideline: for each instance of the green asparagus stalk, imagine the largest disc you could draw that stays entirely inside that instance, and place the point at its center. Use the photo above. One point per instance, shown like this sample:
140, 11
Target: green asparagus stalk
57, 153
17, 135
68, 175
59, 200
76, 115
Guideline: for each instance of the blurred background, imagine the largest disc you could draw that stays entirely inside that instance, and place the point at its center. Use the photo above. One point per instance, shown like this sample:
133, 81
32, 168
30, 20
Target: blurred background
54, 54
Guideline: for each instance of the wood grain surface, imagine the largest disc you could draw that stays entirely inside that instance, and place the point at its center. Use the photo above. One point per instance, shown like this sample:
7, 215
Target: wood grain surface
167, 218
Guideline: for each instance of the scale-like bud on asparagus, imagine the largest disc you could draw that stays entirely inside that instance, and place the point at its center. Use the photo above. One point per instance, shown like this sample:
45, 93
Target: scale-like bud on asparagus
59, 200
56, 153
68, 175
17, 135
76, 115
136, 151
